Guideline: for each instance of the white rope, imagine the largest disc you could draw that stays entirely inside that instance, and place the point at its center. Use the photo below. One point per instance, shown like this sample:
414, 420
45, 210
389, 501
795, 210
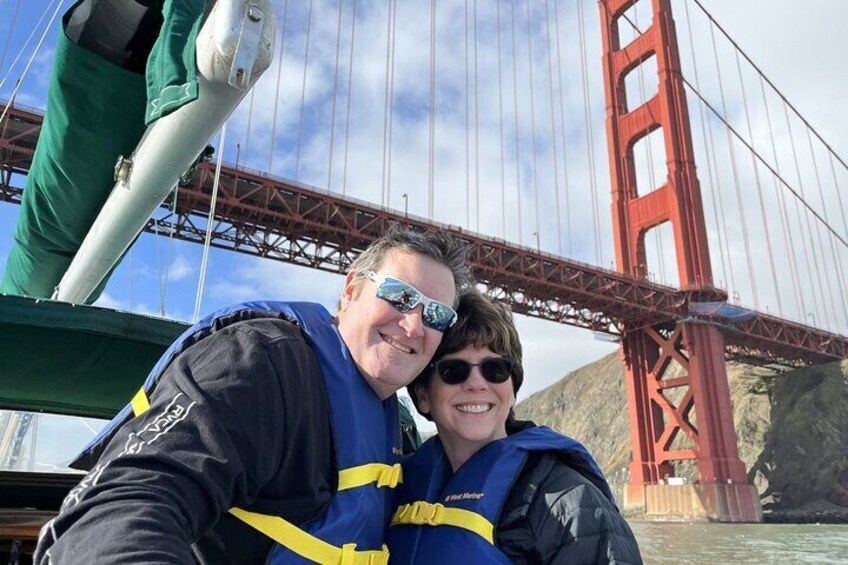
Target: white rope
9, 35
23, 49
20, 81
205, 261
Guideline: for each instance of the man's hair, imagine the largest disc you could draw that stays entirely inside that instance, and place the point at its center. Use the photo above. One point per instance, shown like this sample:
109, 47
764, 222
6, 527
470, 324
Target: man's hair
442, 248
481, 322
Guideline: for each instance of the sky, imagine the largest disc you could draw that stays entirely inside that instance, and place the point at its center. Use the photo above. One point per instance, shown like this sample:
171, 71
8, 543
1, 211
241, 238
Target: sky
519, 149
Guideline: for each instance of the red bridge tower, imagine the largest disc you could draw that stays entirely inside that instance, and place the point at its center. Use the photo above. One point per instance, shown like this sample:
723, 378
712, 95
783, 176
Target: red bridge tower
676, 375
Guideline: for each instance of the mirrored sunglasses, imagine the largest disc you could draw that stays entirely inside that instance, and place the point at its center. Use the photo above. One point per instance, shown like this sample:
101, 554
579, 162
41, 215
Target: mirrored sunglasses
454, 371
404, 297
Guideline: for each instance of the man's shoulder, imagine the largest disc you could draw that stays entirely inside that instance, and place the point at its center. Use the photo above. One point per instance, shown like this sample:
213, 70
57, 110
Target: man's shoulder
264, 330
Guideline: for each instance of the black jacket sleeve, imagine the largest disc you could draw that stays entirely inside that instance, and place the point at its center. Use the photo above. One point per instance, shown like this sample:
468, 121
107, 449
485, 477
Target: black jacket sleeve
554, 515
216, 432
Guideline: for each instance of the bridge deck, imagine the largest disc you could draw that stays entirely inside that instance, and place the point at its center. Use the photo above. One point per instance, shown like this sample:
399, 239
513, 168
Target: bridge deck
287, 221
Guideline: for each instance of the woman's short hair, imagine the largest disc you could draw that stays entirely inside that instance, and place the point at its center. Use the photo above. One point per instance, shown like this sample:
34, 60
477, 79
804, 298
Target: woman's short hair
481, 322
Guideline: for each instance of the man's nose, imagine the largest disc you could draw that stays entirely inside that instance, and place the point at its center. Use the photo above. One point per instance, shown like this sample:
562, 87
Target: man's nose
412, 323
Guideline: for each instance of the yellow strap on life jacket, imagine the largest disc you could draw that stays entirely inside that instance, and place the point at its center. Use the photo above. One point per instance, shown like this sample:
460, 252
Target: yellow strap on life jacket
139, 403
422, 513
298, 541
308, 546
380, 473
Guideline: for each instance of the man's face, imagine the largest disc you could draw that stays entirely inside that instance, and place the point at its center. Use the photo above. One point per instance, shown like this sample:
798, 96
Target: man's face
388, 347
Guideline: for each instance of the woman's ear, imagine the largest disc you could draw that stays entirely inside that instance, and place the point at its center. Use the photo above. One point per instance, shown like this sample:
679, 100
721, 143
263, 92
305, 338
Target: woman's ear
423, 396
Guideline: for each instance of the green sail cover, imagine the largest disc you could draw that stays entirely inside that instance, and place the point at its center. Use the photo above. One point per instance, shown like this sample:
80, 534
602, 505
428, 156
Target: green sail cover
171, 67
97, 107
84, 360
77, 360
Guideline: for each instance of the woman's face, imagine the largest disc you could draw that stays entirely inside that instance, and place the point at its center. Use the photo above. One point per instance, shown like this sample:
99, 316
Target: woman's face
472, 412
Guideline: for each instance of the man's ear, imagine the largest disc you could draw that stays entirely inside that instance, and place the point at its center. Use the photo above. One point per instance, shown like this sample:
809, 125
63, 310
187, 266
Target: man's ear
351, 290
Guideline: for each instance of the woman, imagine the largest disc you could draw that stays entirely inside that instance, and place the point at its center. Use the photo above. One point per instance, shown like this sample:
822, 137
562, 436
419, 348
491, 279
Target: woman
490, 489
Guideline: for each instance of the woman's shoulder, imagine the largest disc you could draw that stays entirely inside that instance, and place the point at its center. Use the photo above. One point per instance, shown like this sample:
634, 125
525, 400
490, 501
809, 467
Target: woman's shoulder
554, 511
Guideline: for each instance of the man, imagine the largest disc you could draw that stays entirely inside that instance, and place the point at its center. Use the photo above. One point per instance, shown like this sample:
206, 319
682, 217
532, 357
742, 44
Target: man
265, 435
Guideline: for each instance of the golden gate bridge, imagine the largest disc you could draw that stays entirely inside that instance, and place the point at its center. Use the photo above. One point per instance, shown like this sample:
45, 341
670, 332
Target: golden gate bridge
658, 109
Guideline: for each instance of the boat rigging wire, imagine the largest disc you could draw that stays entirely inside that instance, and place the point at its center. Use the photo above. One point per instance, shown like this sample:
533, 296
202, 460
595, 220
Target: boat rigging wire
206, 244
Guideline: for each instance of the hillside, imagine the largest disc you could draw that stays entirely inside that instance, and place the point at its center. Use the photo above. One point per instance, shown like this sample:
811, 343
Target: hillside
791, 428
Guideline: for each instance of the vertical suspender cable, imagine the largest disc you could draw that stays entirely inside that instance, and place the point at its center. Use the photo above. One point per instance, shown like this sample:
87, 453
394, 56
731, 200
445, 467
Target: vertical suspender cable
501, 124
553, 130
784, 214
712, 168
431, 169
515, 110
335, 95
303, 93
735, 171
209, 223
842, 279
590, 141
801, 226
391, 105
387, 95
533, 122
277, 90
467, 126
9, 35
249, 126
562, 119
349, 94
20, 80
839, 196
169, 248
834, 254
476, 124
759, 188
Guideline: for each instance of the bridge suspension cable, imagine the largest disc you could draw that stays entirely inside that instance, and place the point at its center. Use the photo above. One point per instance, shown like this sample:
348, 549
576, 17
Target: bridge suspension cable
349, 94
589, 135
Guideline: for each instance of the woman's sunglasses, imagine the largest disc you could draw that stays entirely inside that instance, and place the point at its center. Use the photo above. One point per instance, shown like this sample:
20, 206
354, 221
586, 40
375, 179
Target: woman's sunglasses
404, 297
454, 371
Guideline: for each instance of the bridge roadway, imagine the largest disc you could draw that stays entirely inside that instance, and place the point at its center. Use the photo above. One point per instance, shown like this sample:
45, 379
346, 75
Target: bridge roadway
288, 221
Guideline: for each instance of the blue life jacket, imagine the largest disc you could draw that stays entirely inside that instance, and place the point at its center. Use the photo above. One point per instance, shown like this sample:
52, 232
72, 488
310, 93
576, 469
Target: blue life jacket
366, 432
447, 517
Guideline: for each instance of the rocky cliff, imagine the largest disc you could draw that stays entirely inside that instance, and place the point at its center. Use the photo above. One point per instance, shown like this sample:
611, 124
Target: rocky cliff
792, 431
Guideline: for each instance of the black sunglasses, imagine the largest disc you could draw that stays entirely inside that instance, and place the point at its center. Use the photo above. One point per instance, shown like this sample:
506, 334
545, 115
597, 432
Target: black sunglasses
454, 371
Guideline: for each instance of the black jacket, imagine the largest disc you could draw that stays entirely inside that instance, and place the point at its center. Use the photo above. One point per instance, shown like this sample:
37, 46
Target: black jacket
247, 425
555, 515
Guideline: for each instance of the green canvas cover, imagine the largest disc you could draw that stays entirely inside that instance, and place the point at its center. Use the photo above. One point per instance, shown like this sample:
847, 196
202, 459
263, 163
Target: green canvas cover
96, 111
73, 166
171, 67
78, 360
84, 360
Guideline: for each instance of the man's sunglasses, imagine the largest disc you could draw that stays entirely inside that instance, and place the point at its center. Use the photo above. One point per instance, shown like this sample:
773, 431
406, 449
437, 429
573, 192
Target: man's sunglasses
404, 297
454, 371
